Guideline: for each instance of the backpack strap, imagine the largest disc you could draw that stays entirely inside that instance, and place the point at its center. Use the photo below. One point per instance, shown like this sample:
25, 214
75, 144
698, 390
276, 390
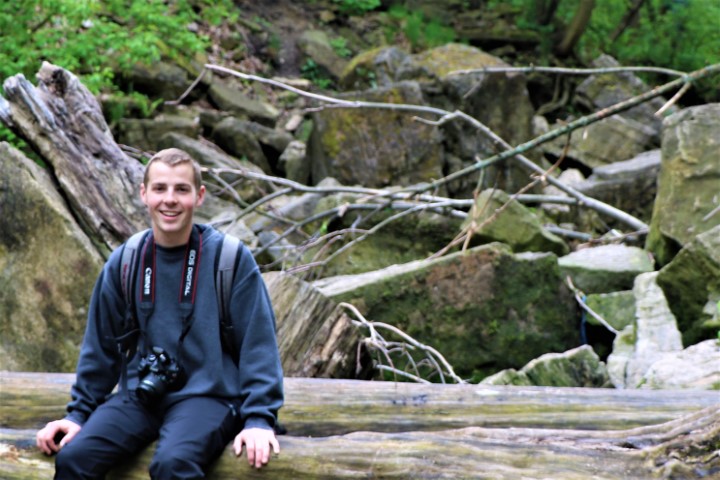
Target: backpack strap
128, 264
127, 340
224, 277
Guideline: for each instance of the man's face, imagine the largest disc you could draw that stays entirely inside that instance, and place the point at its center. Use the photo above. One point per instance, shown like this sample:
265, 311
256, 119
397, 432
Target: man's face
171, 198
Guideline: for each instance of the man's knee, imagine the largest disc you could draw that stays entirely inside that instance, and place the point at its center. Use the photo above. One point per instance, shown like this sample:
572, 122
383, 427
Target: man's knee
72, 462
175, 464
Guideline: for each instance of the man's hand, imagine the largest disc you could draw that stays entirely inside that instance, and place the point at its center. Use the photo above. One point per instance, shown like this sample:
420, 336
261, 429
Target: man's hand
257, 442
46, 438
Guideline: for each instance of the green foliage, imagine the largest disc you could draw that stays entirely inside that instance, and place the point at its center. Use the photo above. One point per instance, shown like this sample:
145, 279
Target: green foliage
95, 39
313, 72
340, 46
678, 34
357, 7
419, 31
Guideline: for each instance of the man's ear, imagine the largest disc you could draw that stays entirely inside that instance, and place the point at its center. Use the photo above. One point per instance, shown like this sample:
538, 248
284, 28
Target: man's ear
143, 193
200, 196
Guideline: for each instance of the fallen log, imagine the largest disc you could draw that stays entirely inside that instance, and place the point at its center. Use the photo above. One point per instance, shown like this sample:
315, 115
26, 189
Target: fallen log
682, 448
322, 407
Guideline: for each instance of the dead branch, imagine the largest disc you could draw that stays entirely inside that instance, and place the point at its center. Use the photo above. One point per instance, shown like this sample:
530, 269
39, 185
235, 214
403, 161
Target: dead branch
439, 365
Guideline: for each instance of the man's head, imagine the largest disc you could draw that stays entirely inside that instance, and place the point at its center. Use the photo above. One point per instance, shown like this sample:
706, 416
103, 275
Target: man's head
172, 189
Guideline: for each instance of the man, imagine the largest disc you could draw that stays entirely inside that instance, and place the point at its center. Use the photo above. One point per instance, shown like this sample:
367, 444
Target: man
190, 394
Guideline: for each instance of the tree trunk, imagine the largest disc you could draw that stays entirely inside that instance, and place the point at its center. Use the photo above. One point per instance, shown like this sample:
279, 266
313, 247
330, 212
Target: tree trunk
576, 28
63, 120
320, 407
683, 448
355, 429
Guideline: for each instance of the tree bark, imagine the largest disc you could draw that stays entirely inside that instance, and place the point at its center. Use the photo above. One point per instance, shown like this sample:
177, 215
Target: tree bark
63, 120
576, 28
321, 407
678, 449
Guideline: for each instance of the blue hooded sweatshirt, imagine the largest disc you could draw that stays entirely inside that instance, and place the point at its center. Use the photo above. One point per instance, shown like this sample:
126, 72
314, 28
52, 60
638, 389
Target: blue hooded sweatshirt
254, 384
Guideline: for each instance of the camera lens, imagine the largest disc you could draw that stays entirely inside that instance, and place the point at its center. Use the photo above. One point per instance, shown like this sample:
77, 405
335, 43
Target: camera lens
150, 388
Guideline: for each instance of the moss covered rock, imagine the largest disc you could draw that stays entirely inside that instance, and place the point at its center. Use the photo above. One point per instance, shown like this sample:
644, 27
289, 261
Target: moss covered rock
484, 309
497, 217
687, 184
376, 147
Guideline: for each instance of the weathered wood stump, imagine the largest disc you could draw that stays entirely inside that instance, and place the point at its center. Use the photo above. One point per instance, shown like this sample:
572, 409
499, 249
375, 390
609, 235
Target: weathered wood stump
353, 429
65, 123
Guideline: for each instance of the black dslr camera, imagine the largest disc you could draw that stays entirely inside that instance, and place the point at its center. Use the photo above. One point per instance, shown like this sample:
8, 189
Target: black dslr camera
159, 374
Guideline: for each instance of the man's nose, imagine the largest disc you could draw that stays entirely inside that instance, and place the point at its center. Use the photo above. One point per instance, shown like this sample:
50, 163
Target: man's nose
169, 196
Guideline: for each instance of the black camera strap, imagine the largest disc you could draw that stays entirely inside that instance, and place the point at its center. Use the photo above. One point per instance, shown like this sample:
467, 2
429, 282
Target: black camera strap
188, 283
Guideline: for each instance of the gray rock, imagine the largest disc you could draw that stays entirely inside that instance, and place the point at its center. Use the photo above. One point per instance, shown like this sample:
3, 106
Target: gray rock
376, 147
48, 267
237, 138
617, 309
653, 335
315, 44
687, 191
691, 282
604, 90
610, 140
145, 133
696, 367
630, 186
499, 101
606, 268
157, 79
294, 162
235, 101
516, 225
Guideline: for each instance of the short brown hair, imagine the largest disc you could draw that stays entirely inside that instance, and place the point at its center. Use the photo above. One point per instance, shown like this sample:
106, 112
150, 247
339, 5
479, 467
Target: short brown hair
172, 157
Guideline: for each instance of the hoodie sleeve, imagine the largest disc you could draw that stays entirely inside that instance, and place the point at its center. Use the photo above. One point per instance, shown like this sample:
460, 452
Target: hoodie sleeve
98, 367
260, 370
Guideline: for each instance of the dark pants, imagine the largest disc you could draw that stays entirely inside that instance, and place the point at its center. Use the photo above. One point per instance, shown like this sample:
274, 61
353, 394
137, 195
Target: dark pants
191, 434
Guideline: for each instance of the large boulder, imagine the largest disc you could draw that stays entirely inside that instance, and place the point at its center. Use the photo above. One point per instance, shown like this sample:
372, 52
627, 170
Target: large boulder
604, 90
500, 101
376, 147
48, 267
687, 185
484, 309
691, 283
617, 309
316, 46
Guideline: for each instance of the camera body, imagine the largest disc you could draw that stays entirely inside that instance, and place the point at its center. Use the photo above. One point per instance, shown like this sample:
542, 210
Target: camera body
159, 373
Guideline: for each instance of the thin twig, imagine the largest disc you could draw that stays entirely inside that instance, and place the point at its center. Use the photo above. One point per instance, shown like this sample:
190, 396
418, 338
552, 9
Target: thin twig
568, 71
579, 297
